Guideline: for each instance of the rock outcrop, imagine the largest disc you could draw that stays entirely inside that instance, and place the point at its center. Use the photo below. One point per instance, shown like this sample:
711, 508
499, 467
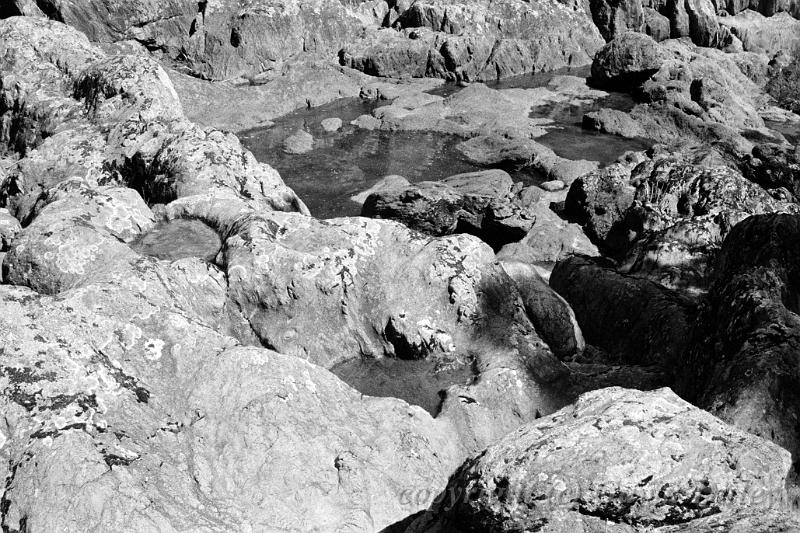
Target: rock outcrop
617, 460
476, 41
666, 219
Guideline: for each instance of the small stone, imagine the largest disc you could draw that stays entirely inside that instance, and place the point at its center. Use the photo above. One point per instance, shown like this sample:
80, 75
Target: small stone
552, 186
331, 124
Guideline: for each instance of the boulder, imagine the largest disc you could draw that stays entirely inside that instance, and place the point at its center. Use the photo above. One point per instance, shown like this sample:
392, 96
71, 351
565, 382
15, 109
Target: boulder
481, 203
782, 86
775, 166
666, 220
298, 142
617, 17
391, 182
636, 321
748, 361
142, 396
550, 239
627, 61
619, 460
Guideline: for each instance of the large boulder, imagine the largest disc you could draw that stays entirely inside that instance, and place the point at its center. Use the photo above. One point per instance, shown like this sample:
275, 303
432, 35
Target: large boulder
617, 460
115, 395
775, 166
750, 358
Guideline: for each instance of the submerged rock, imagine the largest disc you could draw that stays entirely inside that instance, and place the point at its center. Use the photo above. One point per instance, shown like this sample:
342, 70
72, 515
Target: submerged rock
299, 142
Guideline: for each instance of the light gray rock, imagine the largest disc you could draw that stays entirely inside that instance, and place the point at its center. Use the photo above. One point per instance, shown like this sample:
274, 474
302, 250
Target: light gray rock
298, 142
619, 459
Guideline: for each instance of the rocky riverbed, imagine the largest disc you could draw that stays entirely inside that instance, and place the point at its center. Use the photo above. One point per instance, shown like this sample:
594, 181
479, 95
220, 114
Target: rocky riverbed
401, 267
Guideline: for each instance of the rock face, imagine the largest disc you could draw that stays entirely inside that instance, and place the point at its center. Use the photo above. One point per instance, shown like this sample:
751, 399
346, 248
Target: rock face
216, 40
73, 111
476, 40
687, 93
666, 220
617, 458
752, 325
782, 85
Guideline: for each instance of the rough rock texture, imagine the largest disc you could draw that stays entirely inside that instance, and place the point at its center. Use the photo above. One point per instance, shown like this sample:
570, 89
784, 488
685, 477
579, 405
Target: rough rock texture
751, 325
636, 321
486, 204
783, 86
550, 239
476, 40
769, 35
619, 459
220, 39
667, 219
775, 166
124, 412
686, 93
73, 111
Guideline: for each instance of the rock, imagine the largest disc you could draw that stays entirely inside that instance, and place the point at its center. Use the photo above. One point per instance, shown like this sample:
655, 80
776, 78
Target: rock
9, 228
472, 41
617, 17
656, 25
234, 106
143, 395
614, 122
770, 35
390, 183
114, 119
78, 236
627, 61
480, 203
671, 466
550, 239
549, 312
298, 142
331, 124
669, 226
598, 201
687, 94
747, 364
636, 321
552, 186
782, 86
774, 166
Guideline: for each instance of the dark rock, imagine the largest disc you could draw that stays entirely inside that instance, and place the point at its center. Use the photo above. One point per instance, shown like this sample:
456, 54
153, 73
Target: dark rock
627, 61
636, 321
774, 166
783, 86
749, 360
480, 203
615, 17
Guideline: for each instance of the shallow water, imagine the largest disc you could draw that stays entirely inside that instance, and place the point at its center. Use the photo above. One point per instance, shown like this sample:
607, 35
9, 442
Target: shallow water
789, 130
418, 382
179, 238
351, 160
